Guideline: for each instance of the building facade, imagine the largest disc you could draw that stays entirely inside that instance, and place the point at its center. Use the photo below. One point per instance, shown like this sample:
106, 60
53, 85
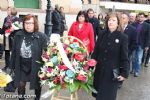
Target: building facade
71, 6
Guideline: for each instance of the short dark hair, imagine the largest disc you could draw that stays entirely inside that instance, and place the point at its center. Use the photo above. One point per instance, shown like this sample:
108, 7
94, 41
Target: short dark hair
28, 17
90, 9
84, 14
142, 13
126, 13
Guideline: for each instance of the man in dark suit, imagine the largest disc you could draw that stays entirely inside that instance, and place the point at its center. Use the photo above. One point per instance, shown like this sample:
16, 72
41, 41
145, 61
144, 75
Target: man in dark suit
143, 42
94, 21
130, 31
146, 55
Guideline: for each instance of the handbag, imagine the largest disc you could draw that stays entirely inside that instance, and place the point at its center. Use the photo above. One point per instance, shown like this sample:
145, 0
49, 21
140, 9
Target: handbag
11, 86
116, 73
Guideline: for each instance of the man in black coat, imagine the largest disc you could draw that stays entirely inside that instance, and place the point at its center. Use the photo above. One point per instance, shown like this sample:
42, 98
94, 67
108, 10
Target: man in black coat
94, 21
130, 31
146, 55
56, 20
143, 42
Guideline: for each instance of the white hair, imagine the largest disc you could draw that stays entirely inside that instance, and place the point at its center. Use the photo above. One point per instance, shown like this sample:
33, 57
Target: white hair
132, 14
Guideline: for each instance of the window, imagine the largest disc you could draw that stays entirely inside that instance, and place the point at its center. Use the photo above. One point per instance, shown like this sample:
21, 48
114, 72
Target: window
27, 4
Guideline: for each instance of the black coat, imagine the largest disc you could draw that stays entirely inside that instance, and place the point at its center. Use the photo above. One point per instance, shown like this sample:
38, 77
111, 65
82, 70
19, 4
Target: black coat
111, 52
144, 34
39, 44
56, 21
131, 32
148, 21
95, 24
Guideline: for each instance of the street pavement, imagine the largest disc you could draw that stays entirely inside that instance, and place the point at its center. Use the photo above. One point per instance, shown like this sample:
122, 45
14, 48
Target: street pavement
134, 88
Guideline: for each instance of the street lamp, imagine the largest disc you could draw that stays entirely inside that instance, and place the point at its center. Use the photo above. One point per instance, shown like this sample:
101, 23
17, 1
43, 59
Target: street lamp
48, 24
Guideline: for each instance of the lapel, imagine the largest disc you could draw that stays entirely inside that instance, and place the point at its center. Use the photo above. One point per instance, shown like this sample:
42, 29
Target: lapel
19, 40
126, 29
143, 26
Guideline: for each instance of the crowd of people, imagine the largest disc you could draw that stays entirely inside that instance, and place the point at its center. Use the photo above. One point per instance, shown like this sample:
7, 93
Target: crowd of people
119, 42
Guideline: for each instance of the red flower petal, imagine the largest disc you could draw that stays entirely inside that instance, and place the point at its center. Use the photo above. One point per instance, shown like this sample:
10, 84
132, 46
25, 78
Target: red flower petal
91, 62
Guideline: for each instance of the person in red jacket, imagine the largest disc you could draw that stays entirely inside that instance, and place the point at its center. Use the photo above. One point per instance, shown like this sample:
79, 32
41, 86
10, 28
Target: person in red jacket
83, 30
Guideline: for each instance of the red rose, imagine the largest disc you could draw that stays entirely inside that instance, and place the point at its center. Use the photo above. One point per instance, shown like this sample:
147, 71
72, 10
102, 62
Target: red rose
79, 56
49, 70
63, 67
56, 80
86, 67
81, 77
91, 62
43, 78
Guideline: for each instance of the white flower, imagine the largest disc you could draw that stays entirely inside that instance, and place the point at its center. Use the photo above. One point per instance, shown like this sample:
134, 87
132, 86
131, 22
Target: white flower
71, 81
82, 72
51, 84
62, 73
43, 82
75, 63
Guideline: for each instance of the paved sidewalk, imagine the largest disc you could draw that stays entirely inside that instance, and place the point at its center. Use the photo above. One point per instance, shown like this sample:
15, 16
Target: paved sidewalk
134, 88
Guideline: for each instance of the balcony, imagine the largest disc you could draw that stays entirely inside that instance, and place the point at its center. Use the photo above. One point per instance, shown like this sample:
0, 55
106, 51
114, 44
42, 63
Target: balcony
131, 1
124, 6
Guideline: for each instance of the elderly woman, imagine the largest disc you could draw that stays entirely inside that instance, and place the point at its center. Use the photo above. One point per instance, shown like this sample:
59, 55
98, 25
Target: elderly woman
83, 30
27, 50
111, 54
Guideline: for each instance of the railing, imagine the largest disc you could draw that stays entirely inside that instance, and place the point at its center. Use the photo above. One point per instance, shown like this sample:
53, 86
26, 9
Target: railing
131, 1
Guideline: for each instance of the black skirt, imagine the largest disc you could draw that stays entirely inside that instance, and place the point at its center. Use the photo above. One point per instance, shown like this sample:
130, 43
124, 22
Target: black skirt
25, 69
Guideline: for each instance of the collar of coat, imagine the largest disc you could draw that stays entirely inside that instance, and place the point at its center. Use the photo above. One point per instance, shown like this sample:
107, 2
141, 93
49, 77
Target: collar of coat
22, 32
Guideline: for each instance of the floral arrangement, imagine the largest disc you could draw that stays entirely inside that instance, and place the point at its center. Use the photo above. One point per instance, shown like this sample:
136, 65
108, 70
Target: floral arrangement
13, 26
4, 79
56, 71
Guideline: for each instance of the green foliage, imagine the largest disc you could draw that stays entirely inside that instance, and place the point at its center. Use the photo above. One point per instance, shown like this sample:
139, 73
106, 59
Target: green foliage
85, 87
74, 86
91, 88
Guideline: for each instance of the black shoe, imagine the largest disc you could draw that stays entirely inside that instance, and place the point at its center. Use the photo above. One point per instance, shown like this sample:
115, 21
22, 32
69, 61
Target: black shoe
120, 84
132, 72
4, 69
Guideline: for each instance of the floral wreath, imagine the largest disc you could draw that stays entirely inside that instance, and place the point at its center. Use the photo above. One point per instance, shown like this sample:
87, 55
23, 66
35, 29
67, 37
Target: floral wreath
4, 79
67, 64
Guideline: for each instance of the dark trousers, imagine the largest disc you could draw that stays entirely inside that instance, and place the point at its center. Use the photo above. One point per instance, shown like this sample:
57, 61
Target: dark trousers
7, 58
146, 56
1, 50
22, 89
